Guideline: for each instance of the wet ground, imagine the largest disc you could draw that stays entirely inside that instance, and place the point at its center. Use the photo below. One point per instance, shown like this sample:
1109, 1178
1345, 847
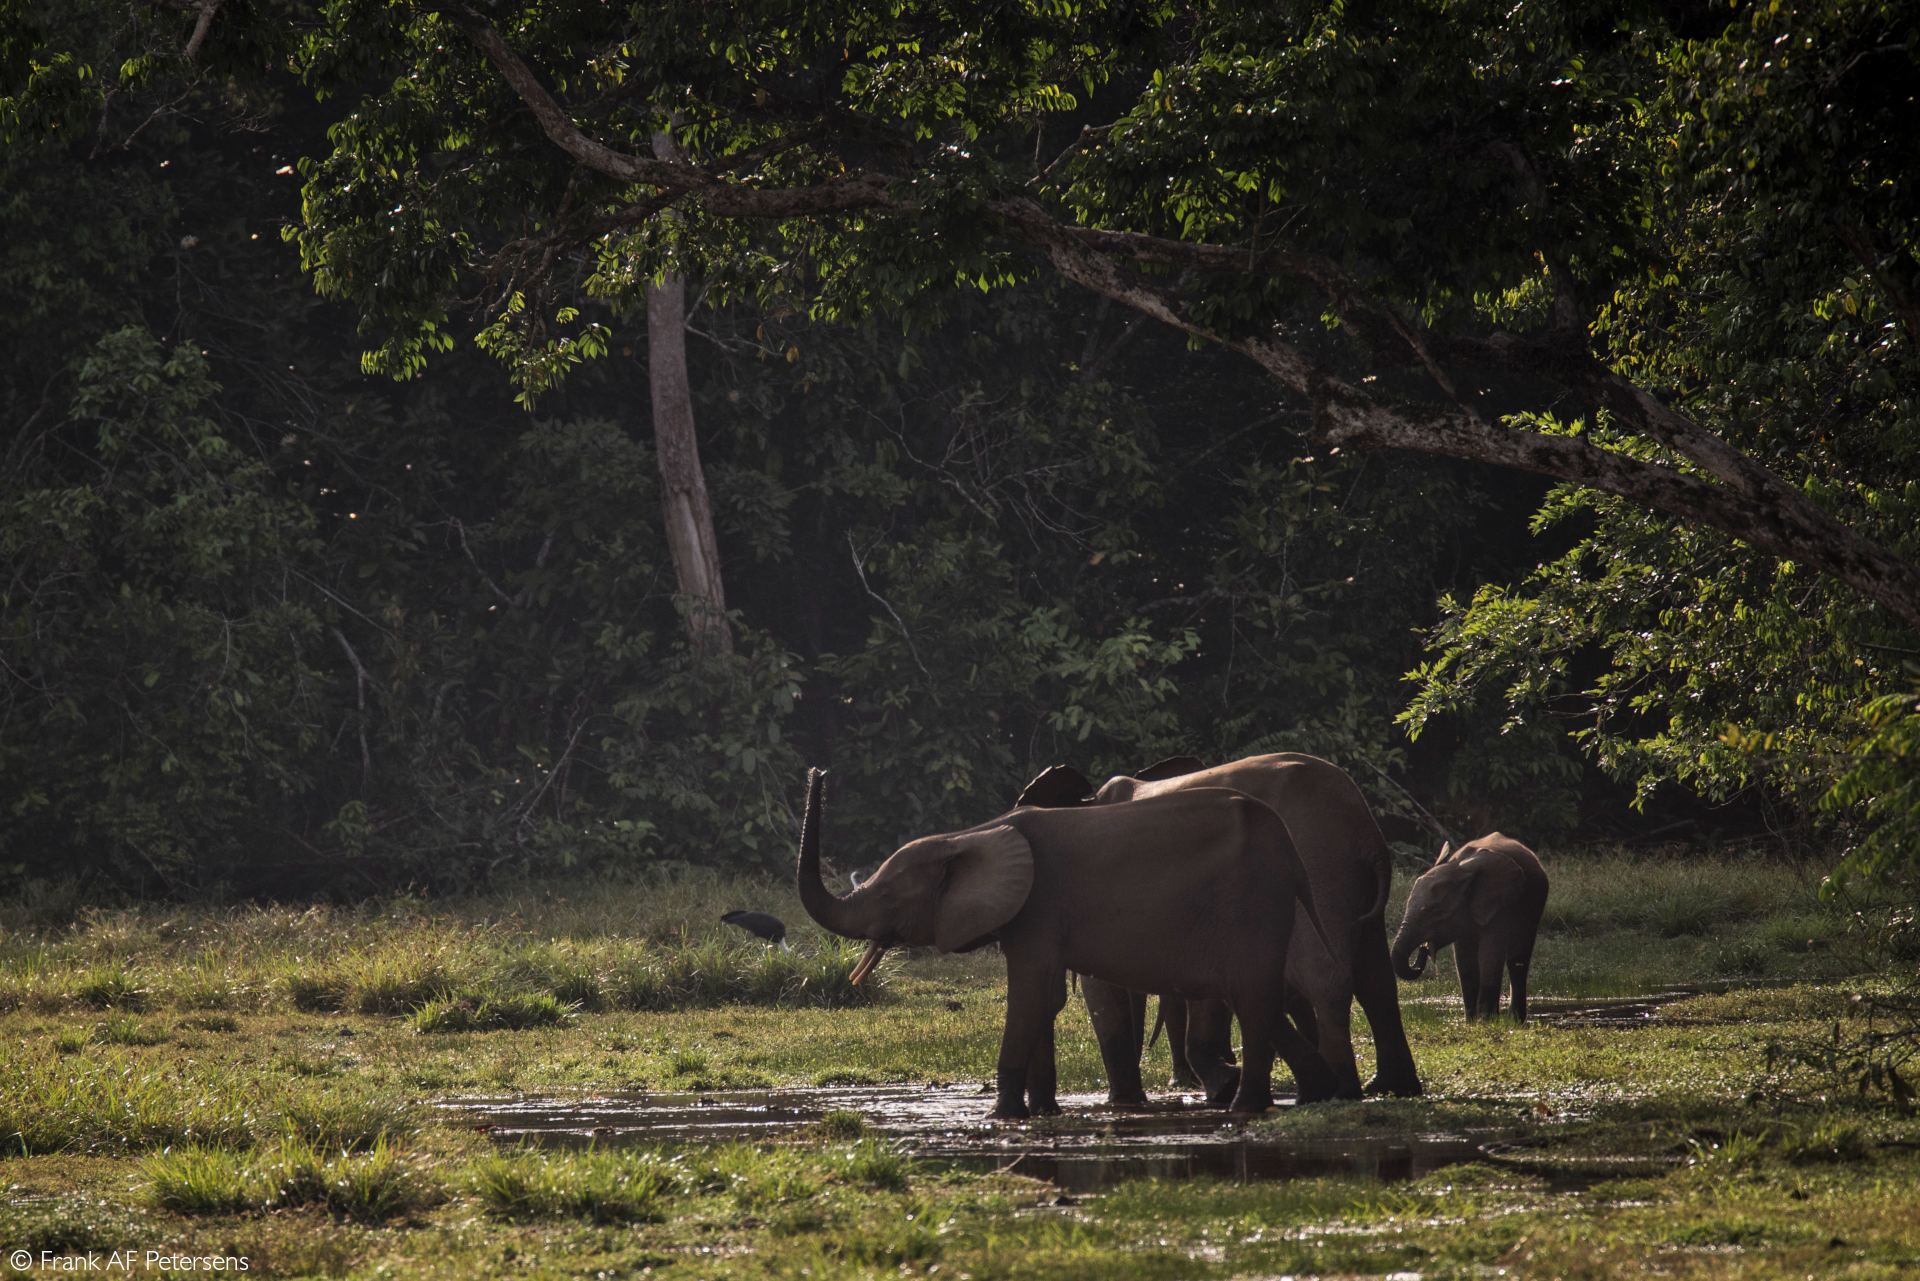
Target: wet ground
1090, 1146
1086, 1148
1623, 1011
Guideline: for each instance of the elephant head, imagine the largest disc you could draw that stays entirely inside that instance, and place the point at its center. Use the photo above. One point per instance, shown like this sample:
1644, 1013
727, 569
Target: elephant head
1449, 899
1059, 786
951, 891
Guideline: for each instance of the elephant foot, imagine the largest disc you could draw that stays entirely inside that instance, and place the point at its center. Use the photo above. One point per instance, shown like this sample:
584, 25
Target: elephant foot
1046, 1108
1225, 1089
1004, 1111
1398, 1089
1126, 1100
1316, 1087
1252, 1104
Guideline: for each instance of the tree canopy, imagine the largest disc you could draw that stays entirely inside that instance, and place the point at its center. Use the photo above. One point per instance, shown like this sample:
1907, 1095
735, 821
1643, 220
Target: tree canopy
1131, 321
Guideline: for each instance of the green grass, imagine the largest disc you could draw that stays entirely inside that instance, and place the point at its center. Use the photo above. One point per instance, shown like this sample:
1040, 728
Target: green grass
372, 1184
514, 1011
598, 1187
260, 1080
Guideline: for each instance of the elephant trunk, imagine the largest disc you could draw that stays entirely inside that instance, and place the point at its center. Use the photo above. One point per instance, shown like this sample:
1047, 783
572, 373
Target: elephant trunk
1410, 953
830, 911
827, 909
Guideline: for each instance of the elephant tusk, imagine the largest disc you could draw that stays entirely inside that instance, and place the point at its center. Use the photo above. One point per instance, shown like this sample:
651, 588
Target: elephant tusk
872, 958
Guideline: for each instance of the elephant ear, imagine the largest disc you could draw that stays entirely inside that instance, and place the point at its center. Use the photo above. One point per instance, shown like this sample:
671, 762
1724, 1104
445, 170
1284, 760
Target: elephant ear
988, 880
1172, 767
1451, 886
1055, 787
1497, 890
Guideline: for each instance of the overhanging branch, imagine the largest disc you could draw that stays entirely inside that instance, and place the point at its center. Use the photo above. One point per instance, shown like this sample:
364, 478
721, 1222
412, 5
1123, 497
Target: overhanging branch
1749, 501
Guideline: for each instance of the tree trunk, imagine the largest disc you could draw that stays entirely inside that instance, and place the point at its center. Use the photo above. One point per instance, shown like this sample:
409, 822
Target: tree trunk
683, 494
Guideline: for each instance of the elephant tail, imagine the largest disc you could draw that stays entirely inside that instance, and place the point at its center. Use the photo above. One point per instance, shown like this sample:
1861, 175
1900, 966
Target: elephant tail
1305, 893
1383, 889
1159, 1021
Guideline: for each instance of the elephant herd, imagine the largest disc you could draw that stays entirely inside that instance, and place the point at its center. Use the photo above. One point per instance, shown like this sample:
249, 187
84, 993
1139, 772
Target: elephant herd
1255, 890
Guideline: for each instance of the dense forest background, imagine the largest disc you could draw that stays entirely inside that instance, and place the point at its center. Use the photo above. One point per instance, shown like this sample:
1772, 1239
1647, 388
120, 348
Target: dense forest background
272, 620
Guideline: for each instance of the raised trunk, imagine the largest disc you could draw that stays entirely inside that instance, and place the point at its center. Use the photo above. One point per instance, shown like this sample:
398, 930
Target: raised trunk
1407, 966
827, 909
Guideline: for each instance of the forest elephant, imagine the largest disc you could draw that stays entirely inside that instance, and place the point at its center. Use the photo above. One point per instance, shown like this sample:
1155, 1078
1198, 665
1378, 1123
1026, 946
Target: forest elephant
1095, 891
1350, 870
1485, 899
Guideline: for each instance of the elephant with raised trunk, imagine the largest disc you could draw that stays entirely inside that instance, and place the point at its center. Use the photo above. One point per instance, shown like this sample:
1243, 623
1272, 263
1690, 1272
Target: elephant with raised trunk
1350, 871
1096, 891
1485, 899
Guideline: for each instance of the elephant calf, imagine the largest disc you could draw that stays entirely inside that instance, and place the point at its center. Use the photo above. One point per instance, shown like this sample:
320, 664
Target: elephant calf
1485, 898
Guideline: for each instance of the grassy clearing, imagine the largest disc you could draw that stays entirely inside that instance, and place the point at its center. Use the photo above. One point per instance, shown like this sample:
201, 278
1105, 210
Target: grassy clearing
259, 1081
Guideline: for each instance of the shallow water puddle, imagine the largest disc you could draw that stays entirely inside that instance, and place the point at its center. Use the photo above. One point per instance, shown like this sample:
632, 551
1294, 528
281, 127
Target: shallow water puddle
1618, 1011
1087, 1148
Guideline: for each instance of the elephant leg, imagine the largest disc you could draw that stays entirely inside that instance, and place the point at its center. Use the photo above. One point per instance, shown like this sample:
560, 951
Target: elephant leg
1260, 1021
1466, 959
1210, 1049
1043, 1075
1265, 1032
1520, 958
1517, 972
1117, 1016
1313, 1080
1493, 959
1300, 1010
1379, 996
1334, 1013
1036, 990
1173, 1018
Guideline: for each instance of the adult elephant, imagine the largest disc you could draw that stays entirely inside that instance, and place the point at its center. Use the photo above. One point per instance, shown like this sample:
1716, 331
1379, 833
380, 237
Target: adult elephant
1094, 891
1486, 898
1351, 873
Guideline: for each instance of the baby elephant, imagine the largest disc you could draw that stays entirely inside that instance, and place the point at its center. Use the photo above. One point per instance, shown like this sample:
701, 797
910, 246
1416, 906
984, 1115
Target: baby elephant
1486, 897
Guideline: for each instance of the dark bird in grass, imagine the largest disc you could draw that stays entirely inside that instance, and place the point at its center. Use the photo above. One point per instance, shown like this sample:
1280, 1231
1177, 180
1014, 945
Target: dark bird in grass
760, 925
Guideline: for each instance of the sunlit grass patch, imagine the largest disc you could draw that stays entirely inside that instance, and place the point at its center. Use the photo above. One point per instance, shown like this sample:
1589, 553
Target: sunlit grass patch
124, 1029
104, 1100
112, 987
620, 1186
468, 1013
722, 972
564, 970
372, 1184
841, 1123
871, 1163
400, 980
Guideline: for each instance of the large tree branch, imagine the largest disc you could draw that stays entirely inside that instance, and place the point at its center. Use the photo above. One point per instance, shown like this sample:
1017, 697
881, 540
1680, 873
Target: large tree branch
717, 195
1750, 502
1749, 506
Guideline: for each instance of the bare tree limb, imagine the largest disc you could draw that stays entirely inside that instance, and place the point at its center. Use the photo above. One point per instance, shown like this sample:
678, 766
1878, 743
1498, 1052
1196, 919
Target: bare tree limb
201, 26
360, 701
860, 568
